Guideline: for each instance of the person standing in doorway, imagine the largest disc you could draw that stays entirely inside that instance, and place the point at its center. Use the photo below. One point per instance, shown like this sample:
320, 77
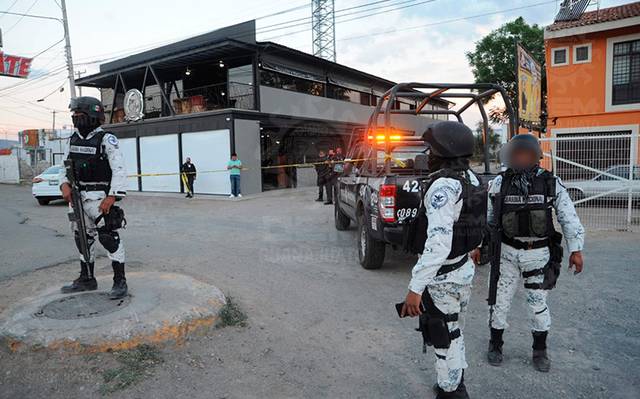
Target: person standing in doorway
189, 173
234, 166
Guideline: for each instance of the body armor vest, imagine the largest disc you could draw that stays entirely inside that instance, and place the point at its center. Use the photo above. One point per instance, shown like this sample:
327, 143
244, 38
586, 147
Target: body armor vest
90, 161
468, 230
531, 215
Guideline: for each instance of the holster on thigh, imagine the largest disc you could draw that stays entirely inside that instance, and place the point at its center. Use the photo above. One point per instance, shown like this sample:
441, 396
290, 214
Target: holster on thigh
110, 240
433, 325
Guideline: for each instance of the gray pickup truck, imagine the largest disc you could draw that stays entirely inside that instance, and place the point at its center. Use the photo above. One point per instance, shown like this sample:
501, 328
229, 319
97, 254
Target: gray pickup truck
385, 171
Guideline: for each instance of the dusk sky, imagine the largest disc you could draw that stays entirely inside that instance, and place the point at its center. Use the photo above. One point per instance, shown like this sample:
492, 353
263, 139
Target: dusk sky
111, 29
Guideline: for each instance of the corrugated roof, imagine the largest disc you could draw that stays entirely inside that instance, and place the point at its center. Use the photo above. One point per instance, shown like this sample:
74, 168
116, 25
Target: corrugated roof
599, 16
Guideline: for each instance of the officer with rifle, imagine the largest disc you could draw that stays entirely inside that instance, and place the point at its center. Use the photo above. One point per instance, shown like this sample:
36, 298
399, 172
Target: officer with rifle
450, 224
95, 179
524, 243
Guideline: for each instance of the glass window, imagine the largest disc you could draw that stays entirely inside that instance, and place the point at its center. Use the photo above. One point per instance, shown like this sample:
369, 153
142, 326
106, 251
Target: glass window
582, 53
626, 72
559, 56
53, 170
288, 82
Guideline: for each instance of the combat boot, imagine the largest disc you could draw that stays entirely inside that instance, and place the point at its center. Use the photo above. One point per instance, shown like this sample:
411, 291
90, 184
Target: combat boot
540, 360
459, 393
494, 355
86, 281
119, 289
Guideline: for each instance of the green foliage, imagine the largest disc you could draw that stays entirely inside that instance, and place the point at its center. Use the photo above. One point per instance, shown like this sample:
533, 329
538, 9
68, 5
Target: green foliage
494, 57
135, 365
231, 314
494, 143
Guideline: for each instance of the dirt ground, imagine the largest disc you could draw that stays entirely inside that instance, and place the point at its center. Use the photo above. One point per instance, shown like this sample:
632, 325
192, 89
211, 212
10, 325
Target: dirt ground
319, 326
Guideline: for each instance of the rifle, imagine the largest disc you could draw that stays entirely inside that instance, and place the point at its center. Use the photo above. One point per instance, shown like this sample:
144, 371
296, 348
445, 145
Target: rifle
78, 211
495, 247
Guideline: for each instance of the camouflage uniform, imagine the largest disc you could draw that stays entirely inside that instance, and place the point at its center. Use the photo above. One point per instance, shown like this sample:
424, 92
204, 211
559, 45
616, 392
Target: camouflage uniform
514, 262
450, 292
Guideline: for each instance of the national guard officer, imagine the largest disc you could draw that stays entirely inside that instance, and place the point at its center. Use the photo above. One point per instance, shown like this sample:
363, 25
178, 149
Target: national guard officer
520, 206
455, 206
99, 168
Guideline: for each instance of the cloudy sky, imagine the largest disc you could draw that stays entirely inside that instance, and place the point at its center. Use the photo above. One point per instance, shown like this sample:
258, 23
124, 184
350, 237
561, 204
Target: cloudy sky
406, 41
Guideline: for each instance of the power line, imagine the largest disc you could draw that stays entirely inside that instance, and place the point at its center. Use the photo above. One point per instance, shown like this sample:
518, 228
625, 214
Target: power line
22, 16
48, 48
10, 7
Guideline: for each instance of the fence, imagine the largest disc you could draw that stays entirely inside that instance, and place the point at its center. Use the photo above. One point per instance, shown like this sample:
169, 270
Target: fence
601, 174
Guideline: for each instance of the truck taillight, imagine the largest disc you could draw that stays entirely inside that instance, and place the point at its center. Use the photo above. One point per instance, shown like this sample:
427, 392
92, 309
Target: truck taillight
387, 202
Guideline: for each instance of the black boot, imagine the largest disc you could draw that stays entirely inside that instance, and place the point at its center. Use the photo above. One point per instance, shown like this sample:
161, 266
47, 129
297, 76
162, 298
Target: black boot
86, 281
319, 199
540, 360
494, 355
459, 393
119, 289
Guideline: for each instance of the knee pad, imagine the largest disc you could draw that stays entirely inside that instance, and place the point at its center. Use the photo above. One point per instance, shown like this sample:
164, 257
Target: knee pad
110, 240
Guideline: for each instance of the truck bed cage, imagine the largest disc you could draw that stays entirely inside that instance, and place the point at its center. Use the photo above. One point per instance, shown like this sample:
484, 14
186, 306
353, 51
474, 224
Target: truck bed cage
423, 93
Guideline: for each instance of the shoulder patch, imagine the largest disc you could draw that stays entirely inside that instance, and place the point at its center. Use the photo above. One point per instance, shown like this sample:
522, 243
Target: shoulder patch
111, 139
439, 198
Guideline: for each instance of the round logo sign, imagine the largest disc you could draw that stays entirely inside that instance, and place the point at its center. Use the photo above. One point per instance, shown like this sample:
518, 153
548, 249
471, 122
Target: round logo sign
133, 105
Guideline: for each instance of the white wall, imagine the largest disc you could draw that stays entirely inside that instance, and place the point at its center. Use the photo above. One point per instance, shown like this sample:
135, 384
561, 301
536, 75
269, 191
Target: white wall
128, 148
9, 172
159, 154
209, 150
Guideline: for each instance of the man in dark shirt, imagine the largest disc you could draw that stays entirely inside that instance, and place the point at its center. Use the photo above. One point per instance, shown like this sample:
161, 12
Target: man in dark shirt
189, 175
321, 170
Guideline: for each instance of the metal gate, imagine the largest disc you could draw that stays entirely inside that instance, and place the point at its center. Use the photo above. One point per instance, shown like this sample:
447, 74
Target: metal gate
601, 173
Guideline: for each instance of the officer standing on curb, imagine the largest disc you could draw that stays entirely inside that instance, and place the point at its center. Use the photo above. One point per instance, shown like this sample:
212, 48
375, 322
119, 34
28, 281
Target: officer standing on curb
440, 287
520, 206
99, 167
189, 171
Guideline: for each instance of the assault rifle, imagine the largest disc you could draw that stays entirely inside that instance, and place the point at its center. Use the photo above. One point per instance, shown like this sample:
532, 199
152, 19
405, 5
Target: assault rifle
78, 211
495, 247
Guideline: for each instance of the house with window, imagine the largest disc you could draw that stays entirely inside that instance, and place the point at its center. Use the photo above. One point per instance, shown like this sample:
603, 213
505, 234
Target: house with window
593, 80
222, 92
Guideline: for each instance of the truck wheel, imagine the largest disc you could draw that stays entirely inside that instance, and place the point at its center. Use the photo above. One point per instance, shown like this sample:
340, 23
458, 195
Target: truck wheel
370, 250
342, 220
43, 201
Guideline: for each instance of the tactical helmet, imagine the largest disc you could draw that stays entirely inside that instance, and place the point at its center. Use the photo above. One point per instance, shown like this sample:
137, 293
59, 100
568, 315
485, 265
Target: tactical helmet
88, 105
449, 139
523, 142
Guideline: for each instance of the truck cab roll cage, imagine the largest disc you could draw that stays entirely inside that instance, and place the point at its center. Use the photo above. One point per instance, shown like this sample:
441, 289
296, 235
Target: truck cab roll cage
424, 93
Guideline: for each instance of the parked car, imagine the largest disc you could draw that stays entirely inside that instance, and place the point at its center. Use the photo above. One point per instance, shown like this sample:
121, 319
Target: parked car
46, 186
602, 184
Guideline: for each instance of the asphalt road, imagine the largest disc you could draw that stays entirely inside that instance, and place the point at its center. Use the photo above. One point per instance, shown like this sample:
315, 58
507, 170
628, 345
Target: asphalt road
319, 325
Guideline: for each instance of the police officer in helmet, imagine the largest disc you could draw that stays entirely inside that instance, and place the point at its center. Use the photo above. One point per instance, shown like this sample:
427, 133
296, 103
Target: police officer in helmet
440, 287
521, 204
100, 171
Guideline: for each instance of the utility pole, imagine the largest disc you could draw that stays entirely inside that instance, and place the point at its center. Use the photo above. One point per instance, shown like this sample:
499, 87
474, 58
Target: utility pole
54, 121
65, 23
79, 75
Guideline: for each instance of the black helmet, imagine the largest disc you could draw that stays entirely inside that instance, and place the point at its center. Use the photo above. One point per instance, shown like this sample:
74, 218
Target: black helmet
449, 139
88, 105
524, 142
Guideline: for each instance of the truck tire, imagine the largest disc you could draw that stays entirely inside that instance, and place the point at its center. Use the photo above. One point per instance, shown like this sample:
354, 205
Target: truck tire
43, 201
370, 250
342, 220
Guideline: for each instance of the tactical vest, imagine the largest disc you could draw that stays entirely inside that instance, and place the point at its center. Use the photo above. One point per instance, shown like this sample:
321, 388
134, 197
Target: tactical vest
90, 161
470, 227
529, 216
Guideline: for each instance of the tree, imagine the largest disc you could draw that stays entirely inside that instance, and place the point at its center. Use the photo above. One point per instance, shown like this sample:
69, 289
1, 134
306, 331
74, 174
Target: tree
494, 142
494, 59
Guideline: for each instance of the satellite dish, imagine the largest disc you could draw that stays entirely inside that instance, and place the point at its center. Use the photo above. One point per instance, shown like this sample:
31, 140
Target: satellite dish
571, 10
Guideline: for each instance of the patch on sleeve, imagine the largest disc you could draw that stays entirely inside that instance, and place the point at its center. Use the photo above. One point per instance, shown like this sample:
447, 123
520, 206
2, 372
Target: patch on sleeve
439, 198
111, 139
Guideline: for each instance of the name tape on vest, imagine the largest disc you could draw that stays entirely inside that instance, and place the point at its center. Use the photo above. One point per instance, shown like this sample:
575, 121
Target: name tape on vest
80, 149
520, 199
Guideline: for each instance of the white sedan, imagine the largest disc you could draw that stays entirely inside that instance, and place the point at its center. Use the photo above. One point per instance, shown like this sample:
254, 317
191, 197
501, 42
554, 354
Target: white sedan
606, 186
46, 186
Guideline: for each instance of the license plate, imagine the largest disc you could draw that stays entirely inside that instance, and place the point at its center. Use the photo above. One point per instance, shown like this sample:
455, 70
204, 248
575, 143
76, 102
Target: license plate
53, 182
